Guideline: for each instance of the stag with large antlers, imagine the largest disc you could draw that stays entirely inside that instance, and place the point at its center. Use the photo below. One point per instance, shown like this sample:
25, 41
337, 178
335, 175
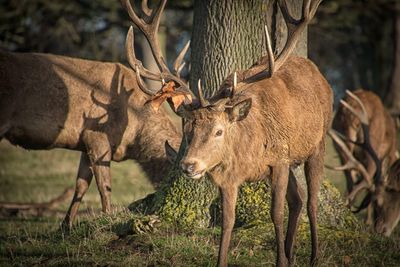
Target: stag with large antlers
262, 122
377, 140
382, 132
101, 109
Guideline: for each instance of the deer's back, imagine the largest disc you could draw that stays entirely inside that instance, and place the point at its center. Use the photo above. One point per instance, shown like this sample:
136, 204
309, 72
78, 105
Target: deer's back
294, 108
48, 100
382, 126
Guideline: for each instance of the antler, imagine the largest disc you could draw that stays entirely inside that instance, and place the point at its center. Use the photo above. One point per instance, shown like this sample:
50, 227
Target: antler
366, 144
368, 182
148, 25
295, 28
203, 102
351, 164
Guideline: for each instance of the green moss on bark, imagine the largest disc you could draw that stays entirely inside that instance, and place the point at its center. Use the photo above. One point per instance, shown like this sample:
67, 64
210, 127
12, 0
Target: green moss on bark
180, 201
190, 203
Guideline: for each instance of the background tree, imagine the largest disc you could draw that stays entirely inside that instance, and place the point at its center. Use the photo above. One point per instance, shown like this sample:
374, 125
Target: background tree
353, 44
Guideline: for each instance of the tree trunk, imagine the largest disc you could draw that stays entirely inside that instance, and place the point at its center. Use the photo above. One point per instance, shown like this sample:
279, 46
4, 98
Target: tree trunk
228, 35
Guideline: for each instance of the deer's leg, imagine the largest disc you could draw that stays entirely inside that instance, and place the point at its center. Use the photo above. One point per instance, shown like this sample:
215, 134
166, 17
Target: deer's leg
294, 197
99, 152
314, 167
83, 180
228, 199
280, 177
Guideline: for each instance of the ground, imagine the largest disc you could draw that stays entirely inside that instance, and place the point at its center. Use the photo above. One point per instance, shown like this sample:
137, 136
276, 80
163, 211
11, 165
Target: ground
124, 238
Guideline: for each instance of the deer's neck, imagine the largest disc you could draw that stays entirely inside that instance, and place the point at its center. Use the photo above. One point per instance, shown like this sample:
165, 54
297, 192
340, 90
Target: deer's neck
149, 146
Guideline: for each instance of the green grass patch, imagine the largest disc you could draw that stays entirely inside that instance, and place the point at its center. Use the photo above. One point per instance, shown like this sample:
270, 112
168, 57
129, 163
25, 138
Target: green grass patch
126, 239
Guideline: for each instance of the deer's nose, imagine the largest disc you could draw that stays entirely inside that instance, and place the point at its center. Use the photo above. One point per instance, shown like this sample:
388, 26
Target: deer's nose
188, 167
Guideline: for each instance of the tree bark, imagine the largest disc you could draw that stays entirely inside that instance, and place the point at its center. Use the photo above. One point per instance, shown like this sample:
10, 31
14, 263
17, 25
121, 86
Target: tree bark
227, 35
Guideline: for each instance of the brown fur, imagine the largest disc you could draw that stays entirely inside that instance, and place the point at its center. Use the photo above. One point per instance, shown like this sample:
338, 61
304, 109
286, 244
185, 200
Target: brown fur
286, 125
49, 101
382, 131
384, 210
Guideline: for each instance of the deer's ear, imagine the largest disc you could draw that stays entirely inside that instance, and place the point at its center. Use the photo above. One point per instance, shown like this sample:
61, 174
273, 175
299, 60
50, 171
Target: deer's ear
240, 110
171, 153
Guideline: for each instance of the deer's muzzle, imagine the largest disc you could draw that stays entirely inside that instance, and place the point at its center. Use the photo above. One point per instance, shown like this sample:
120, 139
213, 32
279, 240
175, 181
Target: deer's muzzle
191, 169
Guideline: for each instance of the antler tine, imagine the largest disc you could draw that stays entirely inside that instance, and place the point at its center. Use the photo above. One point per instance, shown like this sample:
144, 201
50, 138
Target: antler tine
258, 69
363, 117
271, 58
286, 14
203, 101
308, 12
178, 71
150, 29
178, 65
141, 83
145, 8
133, 61
234, 87
352, 162
356, 190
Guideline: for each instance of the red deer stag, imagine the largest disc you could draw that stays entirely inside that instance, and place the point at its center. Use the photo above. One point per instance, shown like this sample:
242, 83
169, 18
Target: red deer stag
382, 131
268, 120
101, 109
383, 184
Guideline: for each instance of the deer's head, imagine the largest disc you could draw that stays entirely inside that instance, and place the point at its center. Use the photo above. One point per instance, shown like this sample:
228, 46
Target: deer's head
386, 201
209, 131
210, 125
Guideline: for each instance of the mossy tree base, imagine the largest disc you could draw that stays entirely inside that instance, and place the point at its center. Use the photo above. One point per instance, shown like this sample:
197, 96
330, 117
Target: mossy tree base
181, 201
189, 203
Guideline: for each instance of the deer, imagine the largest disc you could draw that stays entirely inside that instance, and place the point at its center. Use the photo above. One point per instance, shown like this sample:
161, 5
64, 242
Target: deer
261, 123
382, 131
101, 109
383, 183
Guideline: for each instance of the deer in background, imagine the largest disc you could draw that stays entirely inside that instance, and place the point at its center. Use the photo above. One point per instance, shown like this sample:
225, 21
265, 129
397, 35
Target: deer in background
262, 122
376, 141
102, 109
382, 132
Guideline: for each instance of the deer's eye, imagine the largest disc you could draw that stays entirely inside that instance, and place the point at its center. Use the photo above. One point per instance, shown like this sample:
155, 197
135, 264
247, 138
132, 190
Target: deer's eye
218, 133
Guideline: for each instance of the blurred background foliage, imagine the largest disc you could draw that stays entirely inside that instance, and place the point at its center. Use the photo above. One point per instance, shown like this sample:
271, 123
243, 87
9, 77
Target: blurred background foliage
82, 28
352, 41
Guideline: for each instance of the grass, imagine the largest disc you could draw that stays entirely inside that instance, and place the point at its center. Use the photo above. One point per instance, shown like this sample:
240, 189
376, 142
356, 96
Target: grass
125, 239
37, 176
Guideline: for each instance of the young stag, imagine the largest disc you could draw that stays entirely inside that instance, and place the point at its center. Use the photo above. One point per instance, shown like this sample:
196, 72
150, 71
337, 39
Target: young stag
101, 109
382, 185
382, 130
264, 124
